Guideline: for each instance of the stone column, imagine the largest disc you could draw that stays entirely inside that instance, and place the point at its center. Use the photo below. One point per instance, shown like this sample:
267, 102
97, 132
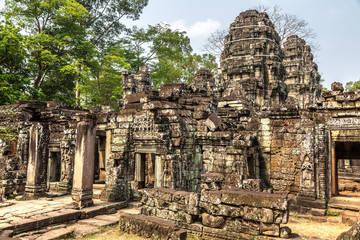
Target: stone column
158, 170
82, 191
139, 170
38, 160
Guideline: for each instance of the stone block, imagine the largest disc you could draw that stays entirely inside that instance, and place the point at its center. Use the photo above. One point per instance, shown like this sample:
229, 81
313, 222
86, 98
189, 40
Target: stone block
285, 232
242, 226
213, 197
254, 199
61, 233
150, 227
212, 221
83, 230
270, 229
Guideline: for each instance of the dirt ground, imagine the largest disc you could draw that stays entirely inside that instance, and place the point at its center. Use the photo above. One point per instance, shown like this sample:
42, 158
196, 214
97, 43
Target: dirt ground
304, 229
310, 229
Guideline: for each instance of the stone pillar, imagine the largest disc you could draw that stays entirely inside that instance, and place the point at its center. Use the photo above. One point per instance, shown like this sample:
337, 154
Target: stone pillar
38, 160
334, 178
82, 191
139, 170
158, 169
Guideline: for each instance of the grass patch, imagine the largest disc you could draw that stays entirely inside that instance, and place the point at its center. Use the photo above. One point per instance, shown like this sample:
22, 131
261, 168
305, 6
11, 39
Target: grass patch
108, 233
331, 213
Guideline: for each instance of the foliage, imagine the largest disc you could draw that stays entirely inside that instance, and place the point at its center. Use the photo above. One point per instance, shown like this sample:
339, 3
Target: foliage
331, 213
14, 80
352, 86
167, 52
55, 39
289, 24
105, 17
69, 51
104, 88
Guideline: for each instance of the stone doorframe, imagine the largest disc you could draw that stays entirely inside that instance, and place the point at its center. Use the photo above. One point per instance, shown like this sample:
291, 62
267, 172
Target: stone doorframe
139, 165
340, 130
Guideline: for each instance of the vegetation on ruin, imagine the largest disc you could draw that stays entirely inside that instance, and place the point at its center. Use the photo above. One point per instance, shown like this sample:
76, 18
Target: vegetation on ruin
352, 86
60, 49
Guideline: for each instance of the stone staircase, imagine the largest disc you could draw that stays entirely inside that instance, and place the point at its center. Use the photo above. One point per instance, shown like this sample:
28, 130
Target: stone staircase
133, 208
345, 203
97, 189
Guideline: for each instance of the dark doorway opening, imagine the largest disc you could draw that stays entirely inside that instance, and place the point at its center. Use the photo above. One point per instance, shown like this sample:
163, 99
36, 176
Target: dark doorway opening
100, 170
145, 170
347, 168
54, 167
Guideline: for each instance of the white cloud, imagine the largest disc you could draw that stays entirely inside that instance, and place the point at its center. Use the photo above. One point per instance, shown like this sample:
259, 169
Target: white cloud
198, 29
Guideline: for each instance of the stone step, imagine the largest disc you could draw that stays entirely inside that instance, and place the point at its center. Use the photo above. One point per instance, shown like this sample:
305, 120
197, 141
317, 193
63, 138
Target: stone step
348, 203
64, 215
98, 186
98, 222
97, 193
150, 227
61, 233
134, 204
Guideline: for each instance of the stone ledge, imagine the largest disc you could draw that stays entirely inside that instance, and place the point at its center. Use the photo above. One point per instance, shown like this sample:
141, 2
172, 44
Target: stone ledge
62, 216
150, 227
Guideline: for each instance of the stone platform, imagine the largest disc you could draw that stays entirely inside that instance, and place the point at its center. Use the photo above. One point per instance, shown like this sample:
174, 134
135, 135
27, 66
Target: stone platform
24, 216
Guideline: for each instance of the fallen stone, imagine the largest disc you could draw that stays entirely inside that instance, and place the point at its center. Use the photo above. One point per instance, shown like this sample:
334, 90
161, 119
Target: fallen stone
61, 233
109, 218
151, 227
285, 232
352, 234
83, 230
96, 222
212, 221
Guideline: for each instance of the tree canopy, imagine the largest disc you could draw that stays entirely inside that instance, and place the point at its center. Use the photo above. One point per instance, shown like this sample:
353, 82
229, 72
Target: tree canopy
73, 51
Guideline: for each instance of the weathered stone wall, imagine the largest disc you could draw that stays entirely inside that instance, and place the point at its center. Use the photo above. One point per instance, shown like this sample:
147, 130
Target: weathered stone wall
227, 213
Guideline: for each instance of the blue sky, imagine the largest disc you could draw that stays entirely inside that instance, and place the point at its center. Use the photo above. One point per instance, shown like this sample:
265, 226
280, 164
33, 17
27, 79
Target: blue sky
337, 24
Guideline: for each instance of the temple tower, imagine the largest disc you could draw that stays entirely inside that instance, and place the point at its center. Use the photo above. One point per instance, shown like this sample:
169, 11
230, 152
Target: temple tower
251, 62
302, 77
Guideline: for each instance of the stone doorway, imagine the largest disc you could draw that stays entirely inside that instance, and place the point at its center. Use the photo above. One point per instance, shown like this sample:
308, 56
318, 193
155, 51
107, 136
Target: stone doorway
100, 161
146, 170
347, 169
54, 171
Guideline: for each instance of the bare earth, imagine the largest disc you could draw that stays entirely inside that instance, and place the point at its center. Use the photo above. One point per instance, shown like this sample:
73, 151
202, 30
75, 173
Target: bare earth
310, 229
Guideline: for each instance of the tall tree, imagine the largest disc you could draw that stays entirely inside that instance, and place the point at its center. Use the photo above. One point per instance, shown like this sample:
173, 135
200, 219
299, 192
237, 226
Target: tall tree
104, 87
159, 47
14, 81
105, 18
167, 52
56, 38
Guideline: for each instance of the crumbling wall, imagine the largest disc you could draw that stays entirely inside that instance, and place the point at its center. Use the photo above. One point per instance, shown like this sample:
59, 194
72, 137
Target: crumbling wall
226, 214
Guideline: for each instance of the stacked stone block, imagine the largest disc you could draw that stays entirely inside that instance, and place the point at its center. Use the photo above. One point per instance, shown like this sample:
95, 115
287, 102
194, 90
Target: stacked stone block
220, 214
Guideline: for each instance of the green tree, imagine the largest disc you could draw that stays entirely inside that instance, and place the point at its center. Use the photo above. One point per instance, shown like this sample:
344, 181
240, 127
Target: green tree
14, 80
104, 87
352, 86
105, 17
56, 38
167, 52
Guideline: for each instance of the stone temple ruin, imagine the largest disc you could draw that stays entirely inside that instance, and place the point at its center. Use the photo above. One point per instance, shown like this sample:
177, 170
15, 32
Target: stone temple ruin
224, 159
